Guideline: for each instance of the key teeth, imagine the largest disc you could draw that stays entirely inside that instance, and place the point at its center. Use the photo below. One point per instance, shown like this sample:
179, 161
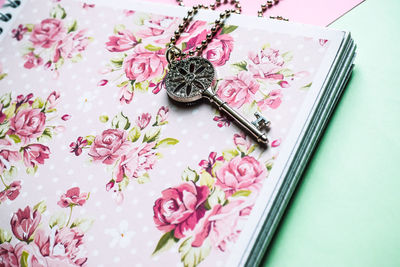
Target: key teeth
260, 122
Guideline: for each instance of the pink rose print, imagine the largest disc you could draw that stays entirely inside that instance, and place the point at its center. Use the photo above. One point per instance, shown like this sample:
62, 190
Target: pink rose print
71, 45
52, 99
24, 223
159, 29
47, 33
76, 147
143, 120
125, 95
51, 42
219, 50
266, 64
22, 142
238, 90
28, 124
7, 255
207, 165
222, 225
125, 40
109, 146
241, 141
133, 149
144, 65
180, 208
73, 197
241, 174
55, 243
62, 248
162, 115
21, 99
7, 154
273, 100
32, 60
231, 185
35, 154
136, 162
11, 192
222, 121
19, 32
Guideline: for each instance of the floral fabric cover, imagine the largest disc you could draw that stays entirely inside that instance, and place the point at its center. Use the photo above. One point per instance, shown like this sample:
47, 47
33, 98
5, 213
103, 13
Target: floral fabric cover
98, 167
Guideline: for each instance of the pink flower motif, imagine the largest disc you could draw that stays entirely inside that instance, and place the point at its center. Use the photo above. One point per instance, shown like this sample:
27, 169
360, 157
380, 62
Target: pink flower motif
284, 84
136, 162
276, 143
159, 29
11, 192
7, 154
61, 248
35, 154
143, 65
110, 185
27, 124
109, 146
7, 255
48, 32
322, 42
157, 87
222, 121
180, 208
238, 90
66, 117
125, 40
32, 60
125, 95
19, 32
24, 223
241, 174
241, 141
35, 258
212, 159
266, 64
73, 197
162, 115
21, 99
76, 147
71, 45
143, 120
219, 50
102, 82
222, 224
128, 12
52, 100
87, 6
273, 101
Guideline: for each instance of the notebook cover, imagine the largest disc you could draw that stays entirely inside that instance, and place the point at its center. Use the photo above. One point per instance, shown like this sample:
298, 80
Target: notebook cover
100, 168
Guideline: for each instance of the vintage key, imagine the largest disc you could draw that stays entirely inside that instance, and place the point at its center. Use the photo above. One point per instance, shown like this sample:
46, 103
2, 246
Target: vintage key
192, 78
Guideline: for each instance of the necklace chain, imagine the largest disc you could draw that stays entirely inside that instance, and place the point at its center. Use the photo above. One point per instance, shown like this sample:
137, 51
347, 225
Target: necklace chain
174, 52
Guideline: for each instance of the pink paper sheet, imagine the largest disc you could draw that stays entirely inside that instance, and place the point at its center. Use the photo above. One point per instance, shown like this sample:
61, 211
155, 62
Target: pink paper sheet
316, 12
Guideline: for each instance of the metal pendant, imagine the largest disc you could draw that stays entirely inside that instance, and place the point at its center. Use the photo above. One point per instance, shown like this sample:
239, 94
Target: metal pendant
187, 79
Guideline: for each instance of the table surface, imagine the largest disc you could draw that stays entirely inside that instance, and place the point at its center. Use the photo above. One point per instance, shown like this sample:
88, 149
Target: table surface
345, 211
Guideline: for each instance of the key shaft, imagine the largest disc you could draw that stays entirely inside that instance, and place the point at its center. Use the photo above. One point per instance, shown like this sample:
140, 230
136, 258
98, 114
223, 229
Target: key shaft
242, 121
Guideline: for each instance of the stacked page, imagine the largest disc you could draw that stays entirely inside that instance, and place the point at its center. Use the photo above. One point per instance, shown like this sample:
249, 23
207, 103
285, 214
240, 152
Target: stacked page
99, 167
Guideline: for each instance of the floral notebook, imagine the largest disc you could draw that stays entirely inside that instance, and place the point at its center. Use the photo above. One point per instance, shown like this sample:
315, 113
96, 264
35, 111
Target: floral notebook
99, 168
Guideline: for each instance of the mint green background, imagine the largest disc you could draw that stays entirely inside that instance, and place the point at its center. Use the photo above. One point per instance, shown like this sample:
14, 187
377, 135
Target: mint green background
346, 210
